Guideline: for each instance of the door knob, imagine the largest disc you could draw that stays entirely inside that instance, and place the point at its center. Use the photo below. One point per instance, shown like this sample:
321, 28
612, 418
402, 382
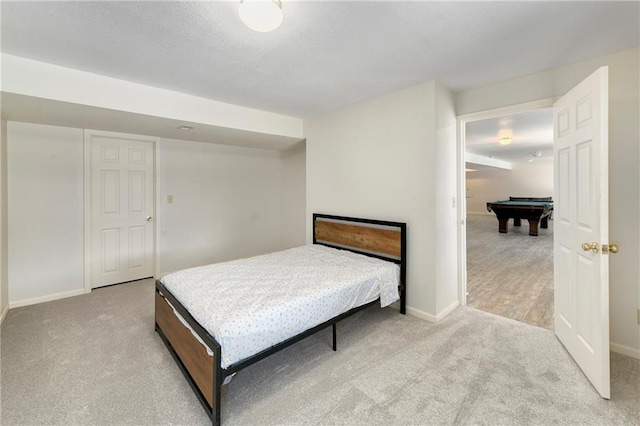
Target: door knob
594, 247
149, 218
613, 248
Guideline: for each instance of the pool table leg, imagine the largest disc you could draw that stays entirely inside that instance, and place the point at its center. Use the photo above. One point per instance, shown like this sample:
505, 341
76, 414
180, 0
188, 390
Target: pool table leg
544, 223
503, 223
516, 221
533, 227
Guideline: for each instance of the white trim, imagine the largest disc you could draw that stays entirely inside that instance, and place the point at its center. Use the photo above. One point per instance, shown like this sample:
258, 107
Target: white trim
625, 350
48, 298
432, 318
4, 314
87, 210
88, 133
158, 209
507, 110
462, 190
446, 311
420, 314
461, 213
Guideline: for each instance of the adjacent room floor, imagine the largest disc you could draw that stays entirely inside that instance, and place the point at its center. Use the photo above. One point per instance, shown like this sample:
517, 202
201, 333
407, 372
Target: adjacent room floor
510, 274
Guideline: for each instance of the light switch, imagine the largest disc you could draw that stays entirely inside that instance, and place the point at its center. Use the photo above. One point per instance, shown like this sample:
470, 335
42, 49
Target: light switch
169, 199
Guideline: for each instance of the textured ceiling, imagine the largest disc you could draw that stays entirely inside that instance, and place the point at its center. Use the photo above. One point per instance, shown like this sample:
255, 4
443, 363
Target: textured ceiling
326, 55
530, 132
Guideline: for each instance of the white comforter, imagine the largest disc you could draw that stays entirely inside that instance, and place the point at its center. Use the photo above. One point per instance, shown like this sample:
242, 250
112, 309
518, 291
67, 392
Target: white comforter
252, 304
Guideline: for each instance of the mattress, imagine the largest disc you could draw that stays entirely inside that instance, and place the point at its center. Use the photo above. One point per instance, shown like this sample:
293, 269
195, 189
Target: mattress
249, 305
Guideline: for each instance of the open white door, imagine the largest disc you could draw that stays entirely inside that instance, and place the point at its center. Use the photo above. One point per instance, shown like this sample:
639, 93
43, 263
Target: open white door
581, 226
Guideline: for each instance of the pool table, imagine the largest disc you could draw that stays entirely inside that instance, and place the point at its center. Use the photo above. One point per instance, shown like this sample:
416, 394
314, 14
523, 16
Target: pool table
535, 210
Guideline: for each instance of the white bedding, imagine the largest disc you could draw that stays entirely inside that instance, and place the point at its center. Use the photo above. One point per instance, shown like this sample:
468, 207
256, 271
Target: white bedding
249, 305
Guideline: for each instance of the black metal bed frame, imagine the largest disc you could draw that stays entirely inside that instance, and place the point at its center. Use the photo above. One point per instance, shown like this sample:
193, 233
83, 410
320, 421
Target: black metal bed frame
403, 247
220, 374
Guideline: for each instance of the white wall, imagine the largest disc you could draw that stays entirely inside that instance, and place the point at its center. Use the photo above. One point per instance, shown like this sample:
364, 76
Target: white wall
525, 179
46, 238
377, 159
294, 215
624, 175
4, 241
445, 169
229, 202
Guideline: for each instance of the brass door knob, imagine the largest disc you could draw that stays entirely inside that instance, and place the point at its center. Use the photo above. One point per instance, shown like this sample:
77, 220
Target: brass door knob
594, 247
149, 218
613, 248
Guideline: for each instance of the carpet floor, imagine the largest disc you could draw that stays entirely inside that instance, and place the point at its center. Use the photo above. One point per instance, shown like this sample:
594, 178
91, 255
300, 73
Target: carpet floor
96, 360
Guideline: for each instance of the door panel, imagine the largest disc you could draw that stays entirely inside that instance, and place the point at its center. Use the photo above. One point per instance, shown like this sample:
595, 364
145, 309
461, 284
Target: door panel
581, 274
110, 191
136, 247
110, 256
121, 200
583, 195
136, 192
563, 294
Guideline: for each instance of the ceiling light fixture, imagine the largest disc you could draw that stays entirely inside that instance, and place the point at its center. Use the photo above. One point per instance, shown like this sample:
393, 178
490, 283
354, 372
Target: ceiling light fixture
261, 15
505, 140
536, 154
186, 128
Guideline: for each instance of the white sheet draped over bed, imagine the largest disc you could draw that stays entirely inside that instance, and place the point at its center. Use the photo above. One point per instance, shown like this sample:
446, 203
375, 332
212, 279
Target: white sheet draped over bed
249, 305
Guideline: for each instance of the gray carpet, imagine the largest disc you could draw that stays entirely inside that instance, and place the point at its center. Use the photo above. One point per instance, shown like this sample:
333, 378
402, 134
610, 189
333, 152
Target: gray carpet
95, 359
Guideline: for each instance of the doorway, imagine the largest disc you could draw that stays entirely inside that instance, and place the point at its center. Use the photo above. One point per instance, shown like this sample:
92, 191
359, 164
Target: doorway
509, 153
581, 238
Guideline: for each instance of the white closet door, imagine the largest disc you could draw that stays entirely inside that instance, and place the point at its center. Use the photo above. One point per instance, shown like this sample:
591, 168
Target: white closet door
122, 204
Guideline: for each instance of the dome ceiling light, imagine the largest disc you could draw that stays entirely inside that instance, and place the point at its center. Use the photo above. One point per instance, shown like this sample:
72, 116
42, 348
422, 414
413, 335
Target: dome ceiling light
261, 15
505, 140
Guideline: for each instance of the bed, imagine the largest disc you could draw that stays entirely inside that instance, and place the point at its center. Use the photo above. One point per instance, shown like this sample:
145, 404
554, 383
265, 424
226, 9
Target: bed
218, 319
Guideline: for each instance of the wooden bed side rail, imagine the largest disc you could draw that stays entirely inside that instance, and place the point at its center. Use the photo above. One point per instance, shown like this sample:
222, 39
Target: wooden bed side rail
202, 370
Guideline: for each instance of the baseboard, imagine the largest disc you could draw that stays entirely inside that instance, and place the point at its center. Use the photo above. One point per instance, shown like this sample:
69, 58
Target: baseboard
625, 350
48, 298
481, 213
432, 318
446, 311
4, 313
421, 314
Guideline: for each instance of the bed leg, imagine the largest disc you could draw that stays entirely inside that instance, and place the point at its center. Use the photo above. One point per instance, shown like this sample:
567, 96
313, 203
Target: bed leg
217, 385
215, 420
335, 345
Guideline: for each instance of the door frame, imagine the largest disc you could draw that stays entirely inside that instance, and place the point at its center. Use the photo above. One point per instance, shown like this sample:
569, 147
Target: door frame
88, 133
461, 213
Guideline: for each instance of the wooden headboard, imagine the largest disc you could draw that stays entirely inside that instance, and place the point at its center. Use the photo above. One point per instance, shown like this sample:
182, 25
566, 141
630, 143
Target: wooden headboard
377, 238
